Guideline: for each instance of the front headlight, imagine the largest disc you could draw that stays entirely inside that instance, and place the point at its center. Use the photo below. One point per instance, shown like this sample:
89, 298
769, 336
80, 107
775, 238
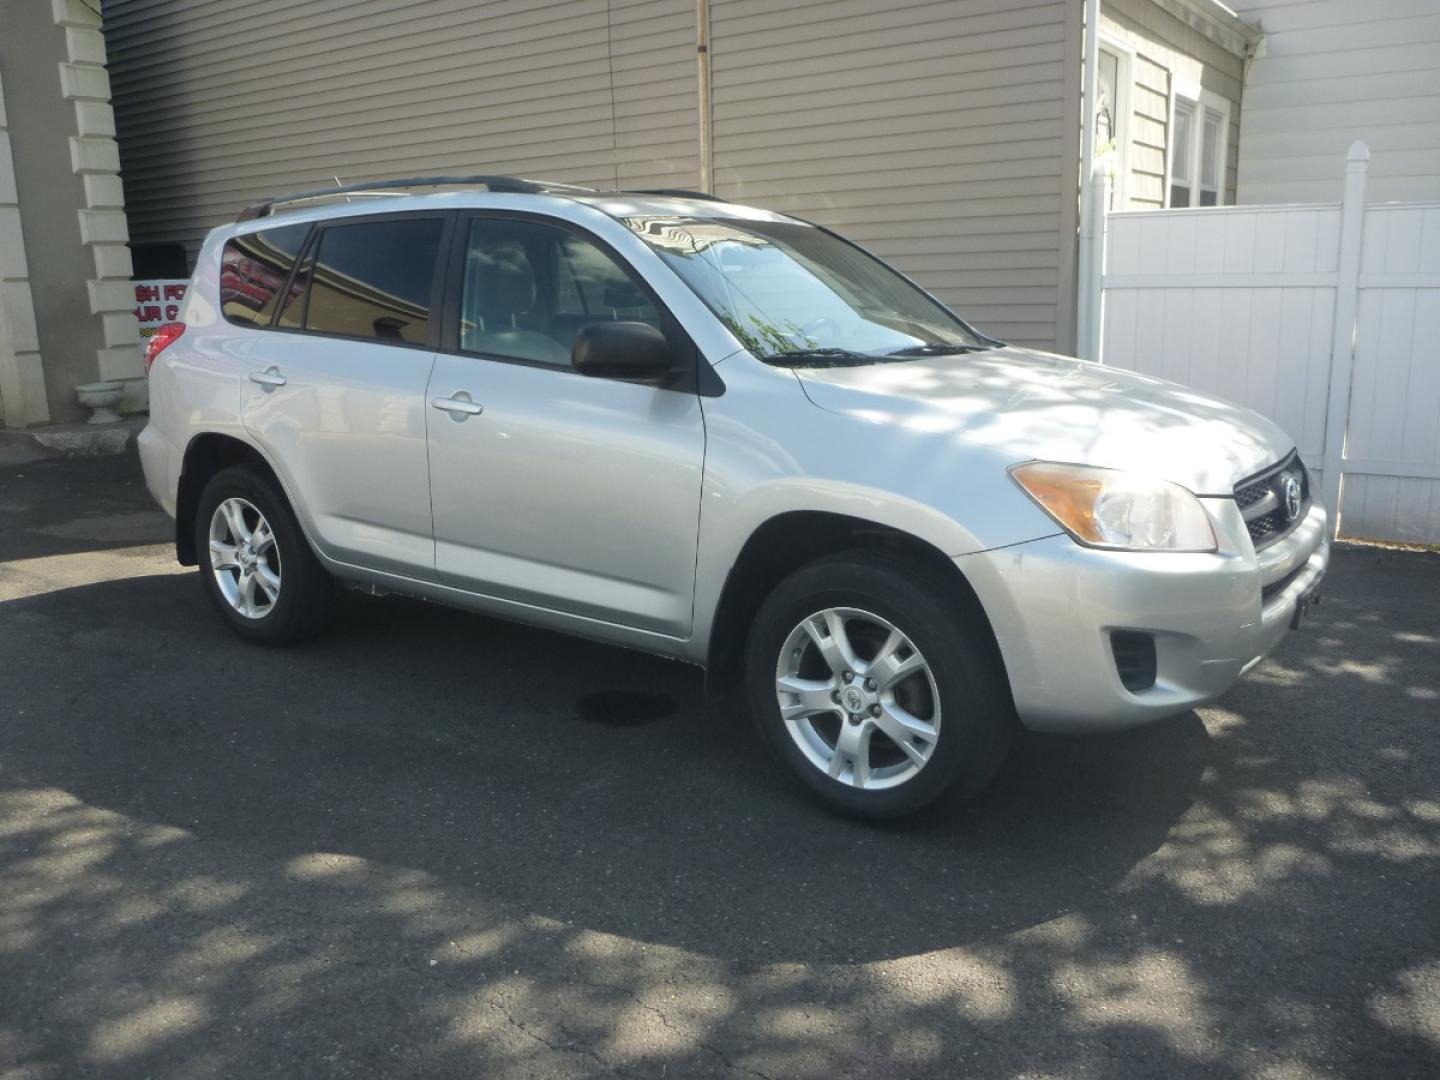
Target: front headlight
1107, 508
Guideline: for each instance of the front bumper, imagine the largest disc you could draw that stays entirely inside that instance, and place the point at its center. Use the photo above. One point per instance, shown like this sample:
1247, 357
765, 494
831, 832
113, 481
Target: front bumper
1053, 605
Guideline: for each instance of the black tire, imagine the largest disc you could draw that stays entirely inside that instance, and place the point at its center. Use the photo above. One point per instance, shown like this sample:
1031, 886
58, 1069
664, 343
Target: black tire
306, 600
977, 715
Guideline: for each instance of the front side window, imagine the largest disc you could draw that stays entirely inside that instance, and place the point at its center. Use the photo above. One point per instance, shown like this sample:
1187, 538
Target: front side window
253, 271
793, 293
527, 288
374, 279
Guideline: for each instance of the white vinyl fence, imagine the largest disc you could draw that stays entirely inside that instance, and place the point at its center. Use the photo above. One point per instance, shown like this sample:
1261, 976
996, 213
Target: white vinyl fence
1325, 318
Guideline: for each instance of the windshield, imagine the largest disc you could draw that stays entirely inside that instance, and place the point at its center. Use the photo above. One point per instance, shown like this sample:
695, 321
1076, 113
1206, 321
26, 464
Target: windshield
795, 294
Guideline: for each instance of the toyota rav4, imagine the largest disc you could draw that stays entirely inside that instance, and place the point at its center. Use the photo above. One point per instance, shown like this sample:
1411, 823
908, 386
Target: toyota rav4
725, 436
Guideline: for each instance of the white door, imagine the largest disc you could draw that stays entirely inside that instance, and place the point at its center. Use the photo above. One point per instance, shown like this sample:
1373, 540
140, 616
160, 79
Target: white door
334, 391
549, 488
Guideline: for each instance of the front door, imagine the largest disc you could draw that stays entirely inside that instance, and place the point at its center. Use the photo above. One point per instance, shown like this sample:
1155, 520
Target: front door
335, 390
548, 488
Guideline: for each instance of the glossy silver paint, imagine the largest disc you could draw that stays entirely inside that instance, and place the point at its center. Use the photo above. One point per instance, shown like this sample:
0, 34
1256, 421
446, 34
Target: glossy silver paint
616, 511
1053, 603
348, 424
568, 493
1054, 408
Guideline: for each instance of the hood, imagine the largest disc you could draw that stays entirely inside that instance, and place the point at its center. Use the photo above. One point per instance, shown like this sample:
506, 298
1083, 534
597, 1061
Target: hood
1037, 405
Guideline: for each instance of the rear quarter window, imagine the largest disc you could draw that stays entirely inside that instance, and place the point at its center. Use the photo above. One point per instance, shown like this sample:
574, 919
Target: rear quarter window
253, 271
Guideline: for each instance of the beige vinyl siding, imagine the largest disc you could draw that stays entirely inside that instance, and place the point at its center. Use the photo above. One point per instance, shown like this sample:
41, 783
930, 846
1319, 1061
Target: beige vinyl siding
1149, 134
943, 133
934, 133
657, 142
1331, 72
1166, 48
218, 105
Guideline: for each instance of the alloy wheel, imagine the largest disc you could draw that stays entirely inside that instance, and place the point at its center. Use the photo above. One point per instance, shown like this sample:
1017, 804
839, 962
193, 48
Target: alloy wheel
244, 558
858, 698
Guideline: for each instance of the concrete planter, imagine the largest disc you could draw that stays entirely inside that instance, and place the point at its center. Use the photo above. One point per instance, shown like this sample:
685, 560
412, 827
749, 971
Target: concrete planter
101, 397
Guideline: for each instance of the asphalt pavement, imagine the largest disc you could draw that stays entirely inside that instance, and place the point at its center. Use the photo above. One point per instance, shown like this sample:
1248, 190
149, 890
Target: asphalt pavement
434, 844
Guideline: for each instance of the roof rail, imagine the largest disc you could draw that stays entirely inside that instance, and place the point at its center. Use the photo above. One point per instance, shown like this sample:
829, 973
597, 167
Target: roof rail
508, 184
678, 193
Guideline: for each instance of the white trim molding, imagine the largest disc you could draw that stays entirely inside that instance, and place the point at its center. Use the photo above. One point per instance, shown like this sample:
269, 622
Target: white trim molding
1217, 22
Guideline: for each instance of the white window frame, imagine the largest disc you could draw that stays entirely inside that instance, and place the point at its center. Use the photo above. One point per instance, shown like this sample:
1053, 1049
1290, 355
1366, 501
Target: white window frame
1124, 114
1200, 102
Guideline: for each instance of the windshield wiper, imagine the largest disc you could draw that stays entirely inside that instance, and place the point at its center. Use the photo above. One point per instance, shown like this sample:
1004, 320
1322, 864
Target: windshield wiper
937, 348
801, 357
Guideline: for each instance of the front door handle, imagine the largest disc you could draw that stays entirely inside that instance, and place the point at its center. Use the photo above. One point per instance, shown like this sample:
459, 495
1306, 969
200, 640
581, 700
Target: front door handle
458, 405
269, 378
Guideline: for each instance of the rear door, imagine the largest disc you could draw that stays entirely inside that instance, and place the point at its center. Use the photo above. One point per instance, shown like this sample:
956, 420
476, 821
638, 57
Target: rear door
334, 391
551, 489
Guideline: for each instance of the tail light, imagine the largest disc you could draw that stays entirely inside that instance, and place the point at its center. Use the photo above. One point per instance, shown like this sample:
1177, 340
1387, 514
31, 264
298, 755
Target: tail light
164, 336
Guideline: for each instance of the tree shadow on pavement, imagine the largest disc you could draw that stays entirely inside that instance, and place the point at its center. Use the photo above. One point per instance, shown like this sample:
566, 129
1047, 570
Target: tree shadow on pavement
400, 850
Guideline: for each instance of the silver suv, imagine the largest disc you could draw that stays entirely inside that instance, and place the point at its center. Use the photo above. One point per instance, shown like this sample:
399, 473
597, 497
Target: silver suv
726, 436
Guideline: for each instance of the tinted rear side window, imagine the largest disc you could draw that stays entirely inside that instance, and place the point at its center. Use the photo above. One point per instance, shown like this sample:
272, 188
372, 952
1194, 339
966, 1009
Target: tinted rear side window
292, 308
374, 279
253, 272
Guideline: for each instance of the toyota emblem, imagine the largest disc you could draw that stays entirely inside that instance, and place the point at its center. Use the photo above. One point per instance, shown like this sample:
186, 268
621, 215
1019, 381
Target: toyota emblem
1290, 496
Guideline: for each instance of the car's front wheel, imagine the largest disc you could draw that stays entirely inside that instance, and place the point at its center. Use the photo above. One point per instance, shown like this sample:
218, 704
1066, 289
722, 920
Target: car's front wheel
874, 687
255, 563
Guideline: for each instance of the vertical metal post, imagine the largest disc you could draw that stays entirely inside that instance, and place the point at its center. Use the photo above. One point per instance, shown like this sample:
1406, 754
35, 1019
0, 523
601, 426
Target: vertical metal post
1093, 344
1342, 342
702, 104
1086, 289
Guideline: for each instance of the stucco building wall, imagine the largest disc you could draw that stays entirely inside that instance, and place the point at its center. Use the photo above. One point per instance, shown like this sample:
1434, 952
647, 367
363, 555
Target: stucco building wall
67, 316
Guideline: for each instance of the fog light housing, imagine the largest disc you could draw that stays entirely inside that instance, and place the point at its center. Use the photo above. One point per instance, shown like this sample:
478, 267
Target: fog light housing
1134, 659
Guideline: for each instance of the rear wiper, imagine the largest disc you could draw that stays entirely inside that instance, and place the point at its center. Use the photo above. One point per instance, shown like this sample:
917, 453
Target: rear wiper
937, 348
804, 356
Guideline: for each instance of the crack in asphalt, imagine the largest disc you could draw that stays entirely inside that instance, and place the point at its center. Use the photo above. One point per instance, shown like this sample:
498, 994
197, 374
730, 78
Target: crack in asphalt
666, 1023
574, 1046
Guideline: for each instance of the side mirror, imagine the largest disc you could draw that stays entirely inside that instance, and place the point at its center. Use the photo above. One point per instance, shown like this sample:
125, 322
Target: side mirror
633, 351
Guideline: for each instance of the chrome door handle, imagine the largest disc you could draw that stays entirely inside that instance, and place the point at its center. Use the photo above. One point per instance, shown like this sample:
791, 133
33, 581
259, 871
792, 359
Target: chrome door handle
458, 405
269, 378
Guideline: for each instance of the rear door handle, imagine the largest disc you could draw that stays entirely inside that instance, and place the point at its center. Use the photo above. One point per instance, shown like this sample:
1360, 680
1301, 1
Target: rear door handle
269, 378
458, 405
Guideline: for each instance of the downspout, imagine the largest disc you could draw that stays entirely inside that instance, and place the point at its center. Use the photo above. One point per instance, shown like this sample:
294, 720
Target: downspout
1087, 288
702, 104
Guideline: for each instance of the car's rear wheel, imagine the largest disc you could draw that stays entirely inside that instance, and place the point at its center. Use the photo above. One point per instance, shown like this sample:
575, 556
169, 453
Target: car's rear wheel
875, 687
255, 563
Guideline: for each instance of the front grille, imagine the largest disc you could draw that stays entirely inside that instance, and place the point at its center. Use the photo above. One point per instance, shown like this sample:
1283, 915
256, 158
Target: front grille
1134, 659
1263, 502
1249, 496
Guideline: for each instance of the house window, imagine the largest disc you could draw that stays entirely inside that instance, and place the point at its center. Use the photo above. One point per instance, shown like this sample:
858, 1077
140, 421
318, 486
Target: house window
1112, 115
1210, 151
1199, 121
